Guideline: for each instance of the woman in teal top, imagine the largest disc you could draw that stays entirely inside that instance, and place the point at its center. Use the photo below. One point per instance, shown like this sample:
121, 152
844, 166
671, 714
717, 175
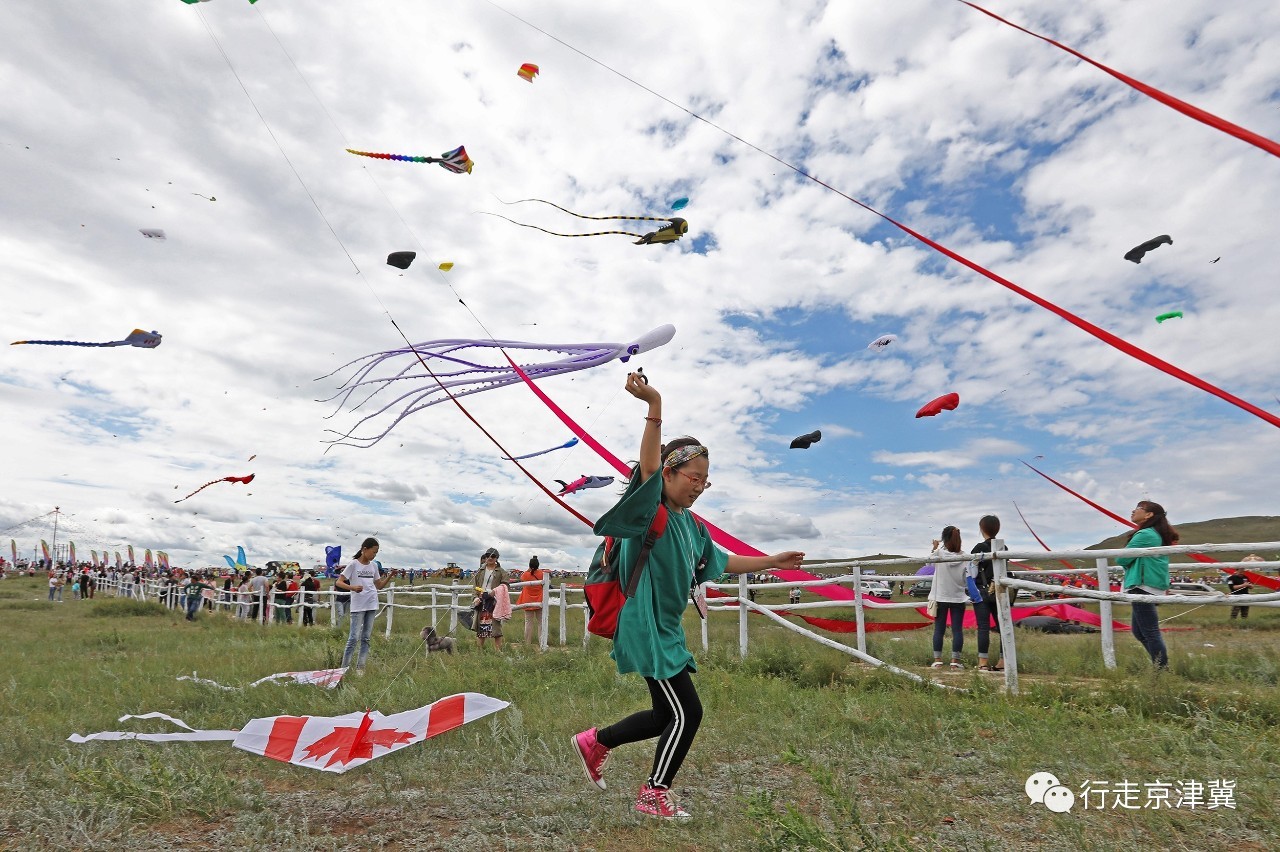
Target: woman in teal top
650, 638
1148, 575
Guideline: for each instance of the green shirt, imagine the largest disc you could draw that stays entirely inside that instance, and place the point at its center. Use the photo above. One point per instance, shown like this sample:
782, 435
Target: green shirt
650, 637
1150, 571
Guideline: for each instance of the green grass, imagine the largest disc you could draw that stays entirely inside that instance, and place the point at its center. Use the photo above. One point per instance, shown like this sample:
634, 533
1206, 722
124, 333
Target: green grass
800, 748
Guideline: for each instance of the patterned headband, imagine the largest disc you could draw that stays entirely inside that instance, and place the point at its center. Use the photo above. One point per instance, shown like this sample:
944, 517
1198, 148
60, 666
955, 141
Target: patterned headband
680, 455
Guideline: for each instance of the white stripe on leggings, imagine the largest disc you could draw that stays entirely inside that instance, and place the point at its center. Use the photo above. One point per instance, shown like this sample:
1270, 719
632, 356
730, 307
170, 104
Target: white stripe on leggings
677, 730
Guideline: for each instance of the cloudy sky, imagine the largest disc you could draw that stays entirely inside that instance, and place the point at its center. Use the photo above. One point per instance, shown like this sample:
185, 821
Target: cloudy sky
121, 115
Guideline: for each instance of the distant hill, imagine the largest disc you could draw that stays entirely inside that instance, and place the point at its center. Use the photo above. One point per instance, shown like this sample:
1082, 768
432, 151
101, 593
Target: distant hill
1220, 531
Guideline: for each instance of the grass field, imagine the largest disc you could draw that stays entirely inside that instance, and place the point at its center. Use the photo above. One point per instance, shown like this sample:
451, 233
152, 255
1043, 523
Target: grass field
800, 748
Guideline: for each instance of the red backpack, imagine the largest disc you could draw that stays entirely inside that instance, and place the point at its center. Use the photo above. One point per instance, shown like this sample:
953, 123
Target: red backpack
603, 588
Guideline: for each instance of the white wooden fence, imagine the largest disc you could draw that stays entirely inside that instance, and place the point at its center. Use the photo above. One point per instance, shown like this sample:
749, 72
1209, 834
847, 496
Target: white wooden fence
439, 599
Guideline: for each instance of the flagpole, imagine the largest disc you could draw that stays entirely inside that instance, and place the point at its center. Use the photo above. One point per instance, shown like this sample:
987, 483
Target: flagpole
53, 556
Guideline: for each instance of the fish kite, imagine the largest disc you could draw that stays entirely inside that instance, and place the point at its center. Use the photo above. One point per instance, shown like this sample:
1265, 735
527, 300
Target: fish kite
946, 402
882, 342
1137, 252
139, 338
583, 482
455, 161
327, 743
572, 442
1168, 316
425, 367
401, 259
804, 441
243, 480
528, 71
446, 266
669, 233
679, 204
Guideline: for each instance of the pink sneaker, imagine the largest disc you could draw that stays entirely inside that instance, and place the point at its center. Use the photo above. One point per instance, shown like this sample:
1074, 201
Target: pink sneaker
658, 801
593, 755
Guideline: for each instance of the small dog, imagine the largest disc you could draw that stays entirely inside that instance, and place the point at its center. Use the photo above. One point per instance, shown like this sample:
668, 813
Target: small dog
437, 643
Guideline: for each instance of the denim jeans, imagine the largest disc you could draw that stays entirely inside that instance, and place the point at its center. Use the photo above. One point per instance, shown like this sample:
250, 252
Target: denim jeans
193, 606
956, 612
361, 630
1146, 629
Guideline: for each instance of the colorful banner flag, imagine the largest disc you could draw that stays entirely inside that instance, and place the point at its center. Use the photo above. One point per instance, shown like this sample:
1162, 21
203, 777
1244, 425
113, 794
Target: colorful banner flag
71, 551
44, 546
130, 550
146, 559
13, 549
119, 565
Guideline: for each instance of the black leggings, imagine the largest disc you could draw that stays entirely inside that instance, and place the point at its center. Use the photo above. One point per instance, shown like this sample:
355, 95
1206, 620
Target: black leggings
985, 612
674, 719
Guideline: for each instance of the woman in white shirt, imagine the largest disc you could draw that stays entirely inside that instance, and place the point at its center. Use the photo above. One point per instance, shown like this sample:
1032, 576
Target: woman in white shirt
363, 579
950, 593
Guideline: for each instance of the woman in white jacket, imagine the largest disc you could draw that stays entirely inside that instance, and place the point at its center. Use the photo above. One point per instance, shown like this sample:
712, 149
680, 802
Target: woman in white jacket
950, 593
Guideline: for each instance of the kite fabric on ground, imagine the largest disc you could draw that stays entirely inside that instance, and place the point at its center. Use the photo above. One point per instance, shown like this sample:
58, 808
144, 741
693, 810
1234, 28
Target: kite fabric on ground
243, 480
1168, 316
327, 743
572, 442
805, 441
328, 678
428, 385
528, 71
946, 402
669, 233
1139, 251
882, 342
583, 482
455, 161
138, 338
401, 259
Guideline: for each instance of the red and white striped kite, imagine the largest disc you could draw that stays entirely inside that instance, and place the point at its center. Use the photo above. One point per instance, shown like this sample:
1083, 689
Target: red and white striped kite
328, 743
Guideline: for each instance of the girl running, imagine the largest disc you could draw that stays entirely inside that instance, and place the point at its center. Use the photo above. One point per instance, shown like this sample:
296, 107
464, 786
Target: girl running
650, 637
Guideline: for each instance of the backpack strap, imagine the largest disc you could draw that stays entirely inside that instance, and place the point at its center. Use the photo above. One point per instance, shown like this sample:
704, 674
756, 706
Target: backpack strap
656, 528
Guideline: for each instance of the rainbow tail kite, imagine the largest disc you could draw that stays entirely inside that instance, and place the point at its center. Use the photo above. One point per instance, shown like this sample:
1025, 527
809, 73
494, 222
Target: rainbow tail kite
139, 338
455, 161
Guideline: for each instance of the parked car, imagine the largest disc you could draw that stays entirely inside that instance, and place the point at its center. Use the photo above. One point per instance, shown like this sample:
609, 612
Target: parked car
1192, 589
878, 589
920, 589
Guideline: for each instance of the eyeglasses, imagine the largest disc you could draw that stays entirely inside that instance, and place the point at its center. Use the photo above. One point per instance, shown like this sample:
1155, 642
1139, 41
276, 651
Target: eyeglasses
703, 483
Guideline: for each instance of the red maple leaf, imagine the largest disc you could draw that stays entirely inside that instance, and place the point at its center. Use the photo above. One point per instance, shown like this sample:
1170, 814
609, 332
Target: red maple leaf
348, 744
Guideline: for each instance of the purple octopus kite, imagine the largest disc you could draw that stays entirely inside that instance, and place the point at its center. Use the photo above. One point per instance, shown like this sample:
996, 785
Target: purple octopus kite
469, 377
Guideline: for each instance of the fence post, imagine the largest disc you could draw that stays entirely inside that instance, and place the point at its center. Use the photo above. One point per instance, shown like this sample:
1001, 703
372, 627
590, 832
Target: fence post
704, 621
333, 608
1104, 611
564, 615
453, 606
433, 606
391, 609
1005, 610
263, 601
858, 611
544, 610
743, 612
